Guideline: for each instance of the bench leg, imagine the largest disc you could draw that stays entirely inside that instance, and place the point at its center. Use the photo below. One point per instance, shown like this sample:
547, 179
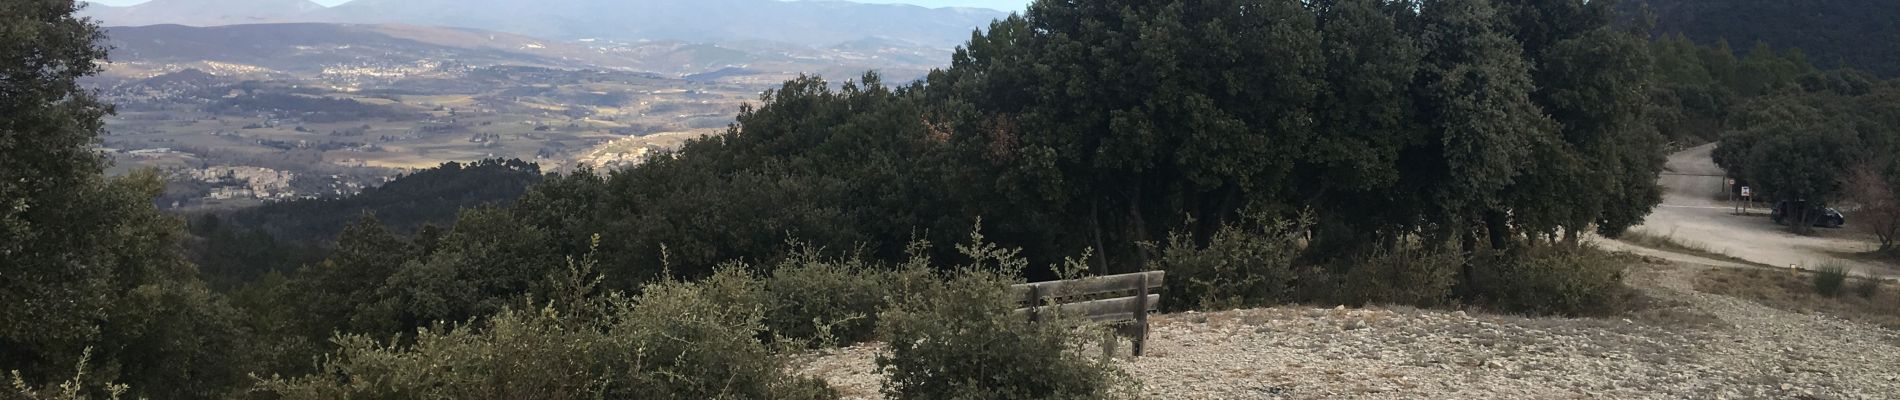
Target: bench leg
1141, 339
1137, 334
1141, 316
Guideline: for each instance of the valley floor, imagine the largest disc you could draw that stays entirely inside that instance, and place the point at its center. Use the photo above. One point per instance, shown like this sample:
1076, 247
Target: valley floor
1683, 344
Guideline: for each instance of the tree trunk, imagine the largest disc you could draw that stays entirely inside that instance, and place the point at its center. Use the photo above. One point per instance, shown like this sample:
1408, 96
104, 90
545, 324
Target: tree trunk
1213, 211
1468, 240
1141, 227
1802, 224
1095, 225
1201, 219
1498, 225
1885, 224
1887, 228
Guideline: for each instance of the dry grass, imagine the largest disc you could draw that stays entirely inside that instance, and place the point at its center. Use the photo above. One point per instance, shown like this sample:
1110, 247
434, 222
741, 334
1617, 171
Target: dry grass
1890, 259
1670, 243
1794, 291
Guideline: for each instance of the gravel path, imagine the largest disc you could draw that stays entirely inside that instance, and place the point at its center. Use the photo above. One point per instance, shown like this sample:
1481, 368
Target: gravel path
1691, 213
1689, 345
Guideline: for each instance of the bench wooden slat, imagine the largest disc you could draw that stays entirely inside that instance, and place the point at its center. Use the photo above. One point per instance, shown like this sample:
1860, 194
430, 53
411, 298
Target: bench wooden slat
1114, 318
1072, 298
1089, 286
1106, 310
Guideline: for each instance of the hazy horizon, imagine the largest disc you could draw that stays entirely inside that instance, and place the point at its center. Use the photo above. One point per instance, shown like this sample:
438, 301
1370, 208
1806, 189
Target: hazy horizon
1003, 5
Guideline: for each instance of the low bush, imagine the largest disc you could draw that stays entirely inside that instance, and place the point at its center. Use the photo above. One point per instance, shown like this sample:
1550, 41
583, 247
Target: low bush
1245, 265
834, 302
1559, 279
674, 341
962, 341
1411, 275
80, 387
1866, 288
1829, 279
1256, 263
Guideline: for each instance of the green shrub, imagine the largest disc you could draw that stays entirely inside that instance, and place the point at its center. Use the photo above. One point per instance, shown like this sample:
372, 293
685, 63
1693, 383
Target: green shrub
699, 341
1561, 279
962, 341
1867, 287
80, 387
1829, 280
1410, 275
674, 341
1244, 265
828, 303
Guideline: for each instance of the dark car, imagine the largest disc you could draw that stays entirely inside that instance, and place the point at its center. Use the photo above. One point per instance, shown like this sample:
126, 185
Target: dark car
1818, 216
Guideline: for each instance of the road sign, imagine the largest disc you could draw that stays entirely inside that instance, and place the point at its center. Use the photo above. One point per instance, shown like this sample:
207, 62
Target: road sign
1746, 192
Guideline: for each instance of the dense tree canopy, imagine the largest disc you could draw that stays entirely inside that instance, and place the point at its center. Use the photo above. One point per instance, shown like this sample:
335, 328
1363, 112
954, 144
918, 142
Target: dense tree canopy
407, 202
232, 247
1592, 79
1131, 118
86, 262
1392, 116
1800, 144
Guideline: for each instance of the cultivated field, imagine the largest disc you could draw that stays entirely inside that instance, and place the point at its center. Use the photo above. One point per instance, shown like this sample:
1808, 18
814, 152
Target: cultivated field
337, 139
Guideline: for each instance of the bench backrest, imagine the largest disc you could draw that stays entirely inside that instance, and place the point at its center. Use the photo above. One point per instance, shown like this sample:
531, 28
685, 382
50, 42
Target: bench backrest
1113, 298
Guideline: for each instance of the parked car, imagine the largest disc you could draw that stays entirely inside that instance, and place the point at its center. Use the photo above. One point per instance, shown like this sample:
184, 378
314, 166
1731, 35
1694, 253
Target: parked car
1825, 217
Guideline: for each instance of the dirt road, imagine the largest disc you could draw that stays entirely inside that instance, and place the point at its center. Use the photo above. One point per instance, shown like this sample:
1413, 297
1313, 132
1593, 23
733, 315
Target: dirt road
1693, 213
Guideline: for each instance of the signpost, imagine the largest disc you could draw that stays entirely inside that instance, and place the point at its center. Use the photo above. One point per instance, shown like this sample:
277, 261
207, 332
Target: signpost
1742, 204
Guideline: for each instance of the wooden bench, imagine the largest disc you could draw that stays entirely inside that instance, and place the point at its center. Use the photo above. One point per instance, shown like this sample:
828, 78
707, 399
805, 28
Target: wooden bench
1124, 300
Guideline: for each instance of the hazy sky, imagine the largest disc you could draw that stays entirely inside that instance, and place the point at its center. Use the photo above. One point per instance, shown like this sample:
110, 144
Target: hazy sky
1005, 5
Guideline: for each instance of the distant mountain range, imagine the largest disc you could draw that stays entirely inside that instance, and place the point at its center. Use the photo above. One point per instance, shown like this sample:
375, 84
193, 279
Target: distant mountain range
1860, 34
203, 12
807, 23
310, 49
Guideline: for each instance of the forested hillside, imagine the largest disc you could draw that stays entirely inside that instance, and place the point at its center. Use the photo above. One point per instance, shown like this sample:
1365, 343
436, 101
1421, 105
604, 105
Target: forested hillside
232, 247
406, 202
1862, 34
1429, 153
